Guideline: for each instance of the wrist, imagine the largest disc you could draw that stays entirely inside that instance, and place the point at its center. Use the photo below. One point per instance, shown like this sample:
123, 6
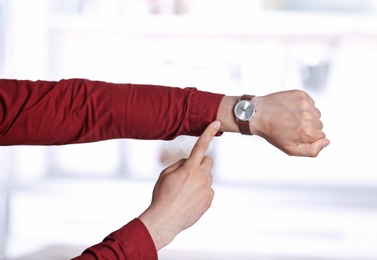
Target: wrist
159, 229
226, 115
228, 120
254, 124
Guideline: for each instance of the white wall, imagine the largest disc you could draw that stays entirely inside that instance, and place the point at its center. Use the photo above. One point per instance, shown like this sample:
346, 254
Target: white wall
316, 201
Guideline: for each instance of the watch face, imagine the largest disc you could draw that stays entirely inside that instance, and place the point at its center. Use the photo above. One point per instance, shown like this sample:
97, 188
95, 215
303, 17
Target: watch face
244, 110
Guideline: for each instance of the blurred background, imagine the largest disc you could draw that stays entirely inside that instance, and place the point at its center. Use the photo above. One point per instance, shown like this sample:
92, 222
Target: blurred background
56, 201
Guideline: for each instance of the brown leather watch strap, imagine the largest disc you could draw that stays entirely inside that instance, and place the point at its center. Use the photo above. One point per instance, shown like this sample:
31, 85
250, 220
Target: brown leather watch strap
244, 126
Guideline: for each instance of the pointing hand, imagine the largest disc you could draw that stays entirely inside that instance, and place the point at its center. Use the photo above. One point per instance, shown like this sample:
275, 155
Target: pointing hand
182, 193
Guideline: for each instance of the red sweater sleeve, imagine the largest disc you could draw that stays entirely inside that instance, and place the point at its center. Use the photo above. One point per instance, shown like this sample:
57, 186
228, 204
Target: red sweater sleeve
132, 241
80, 110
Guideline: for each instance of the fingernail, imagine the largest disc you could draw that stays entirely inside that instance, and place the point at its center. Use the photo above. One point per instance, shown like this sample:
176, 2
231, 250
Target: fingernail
217, 125
325, 144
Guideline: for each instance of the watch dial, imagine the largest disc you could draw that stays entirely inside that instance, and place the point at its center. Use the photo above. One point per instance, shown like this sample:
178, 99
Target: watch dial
244, 110
249, 111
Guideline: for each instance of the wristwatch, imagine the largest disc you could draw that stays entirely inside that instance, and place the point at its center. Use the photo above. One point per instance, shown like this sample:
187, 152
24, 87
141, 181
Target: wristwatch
244, 110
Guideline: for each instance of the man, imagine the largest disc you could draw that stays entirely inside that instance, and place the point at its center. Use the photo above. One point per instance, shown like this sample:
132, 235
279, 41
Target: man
80, 110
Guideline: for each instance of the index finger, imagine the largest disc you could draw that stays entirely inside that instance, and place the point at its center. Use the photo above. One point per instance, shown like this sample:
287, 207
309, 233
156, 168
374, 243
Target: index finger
202, 144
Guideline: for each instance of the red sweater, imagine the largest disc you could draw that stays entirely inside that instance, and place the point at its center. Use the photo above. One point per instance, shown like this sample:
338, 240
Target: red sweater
79, 110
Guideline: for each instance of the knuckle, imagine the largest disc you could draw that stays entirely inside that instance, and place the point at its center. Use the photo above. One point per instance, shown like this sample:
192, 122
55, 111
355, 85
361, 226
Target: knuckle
207, 161
305, 150
319, 124
210, 179
205, 181
311, 153
211, 195
317, 112
306, 115
300, 93
181, 161
166, 171
307, 133
291, 152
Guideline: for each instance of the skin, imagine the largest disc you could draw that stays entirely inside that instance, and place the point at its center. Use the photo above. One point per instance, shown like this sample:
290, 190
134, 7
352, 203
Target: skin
182, 193
288, 120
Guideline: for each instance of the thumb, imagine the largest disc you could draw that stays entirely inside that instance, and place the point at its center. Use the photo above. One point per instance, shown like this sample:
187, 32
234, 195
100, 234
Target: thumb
202, 144
313, 149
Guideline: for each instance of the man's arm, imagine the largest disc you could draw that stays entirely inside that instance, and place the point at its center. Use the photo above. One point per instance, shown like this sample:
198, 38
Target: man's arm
79, 110
181, 195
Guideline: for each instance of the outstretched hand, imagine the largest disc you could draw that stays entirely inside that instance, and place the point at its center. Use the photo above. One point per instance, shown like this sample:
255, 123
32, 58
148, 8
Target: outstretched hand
182, 193
290, 121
